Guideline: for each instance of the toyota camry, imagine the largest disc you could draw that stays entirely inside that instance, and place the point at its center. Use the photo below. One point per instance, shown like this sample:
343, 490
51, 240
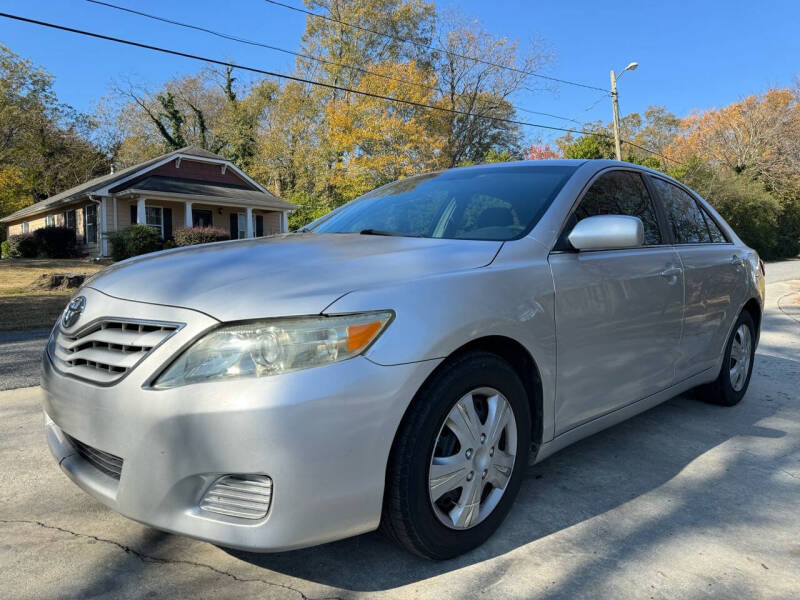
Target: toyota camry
397, 363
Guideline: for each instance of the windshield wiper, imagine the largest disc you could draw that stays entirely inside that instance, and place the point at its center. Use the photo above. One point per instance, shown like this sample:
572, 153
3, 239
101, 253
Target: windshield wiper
389, 233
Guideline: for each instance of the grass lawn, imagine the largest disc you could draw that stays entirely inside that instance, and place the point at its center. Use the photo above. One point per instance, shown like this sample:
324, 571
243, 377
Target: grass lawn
22, 306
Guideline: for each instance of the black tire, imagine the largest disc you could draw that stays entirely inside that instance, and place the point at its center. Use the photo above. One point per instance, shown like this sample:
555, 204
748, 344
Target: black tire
408, 516
721, 390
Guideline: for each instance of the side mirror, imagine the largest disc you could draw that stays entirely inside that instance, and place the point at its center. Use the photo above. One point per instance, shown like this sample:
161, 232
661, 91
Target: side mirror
606, 232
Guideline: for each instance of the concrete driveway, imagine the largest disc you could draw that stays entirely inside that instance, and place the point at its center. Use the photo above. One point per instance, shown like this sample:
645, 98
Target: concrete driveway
686, 500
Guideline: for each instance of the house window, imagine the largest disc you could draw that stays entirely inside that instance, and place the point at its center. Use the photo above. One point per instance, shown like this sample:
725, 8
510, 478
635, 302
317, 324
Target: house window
154, 216
25, 227
50, 221
242, 226
90, 224
69, 219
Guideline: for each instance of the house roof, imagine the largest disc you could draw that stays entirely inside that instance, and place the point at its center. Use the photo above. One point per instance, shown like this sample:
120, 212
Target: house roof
193, 188
84, 189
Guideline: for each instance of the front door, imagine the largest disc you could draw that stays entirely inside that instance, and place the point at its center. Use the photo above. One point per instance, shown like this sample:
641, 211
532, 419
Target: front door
202, 218
618, 312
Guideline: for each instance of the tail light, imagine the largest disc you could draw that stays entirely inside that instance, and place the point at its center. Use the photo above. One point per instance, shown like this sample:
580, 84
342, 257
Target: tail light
761, 266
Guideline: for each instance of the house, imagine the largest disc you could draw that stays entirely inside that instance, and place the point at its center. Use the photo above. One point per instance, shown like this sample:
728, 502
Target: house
190, 187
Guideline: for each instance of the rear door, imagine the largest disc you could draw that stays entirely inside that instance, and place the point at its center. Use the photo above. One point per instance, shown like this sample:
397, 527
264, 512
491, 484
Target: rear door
714, 276
618, 312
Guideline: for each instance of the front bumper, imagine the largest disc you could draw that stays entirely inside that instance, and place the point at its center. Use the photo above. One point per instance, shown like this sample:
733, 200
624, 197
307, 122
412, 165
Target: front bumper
323, 435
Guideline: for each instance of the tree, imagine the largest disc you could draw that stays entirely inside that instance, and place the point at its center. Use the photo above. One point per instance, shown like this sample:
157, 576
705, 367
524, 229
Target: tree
207, 110
478, 87
758, 134
372, 37
44, 145
376, 141
540, 152
592, 146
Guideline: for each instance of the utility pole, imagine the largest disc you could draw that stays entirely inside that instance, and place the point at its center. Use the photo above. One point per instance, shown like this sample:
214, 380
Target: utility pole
615, 106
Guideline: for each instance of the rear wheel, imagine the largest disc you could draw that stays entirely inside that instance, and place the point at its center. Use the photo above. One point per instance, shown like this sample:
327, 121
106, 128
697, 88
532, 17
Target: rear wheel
737, 365
458, 459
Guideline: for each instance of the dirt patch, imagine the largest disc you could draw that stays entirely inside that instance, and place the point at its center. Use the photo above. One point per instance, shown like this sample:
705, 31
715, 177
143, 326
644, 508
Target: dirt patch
58, 281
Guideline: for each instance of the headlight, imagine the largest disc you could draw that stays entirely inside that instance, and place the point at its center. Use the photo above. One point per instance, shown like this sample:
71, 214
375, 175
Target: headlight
273, 346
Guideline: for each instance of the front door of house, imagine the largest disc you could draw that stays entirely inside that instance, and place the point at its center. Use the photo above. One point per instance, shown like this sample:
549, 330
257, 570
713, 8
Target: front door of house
202, 218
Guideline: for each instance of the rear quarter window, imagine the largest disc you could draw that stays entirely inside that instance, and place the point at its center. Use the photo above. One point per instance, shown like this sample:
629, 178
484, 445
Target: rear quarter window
684, 216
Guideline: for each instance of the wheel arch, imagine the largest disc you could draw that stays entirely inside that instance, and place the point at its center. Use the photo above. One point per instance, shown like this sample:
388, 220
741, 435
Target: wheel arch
520, 360
753, 306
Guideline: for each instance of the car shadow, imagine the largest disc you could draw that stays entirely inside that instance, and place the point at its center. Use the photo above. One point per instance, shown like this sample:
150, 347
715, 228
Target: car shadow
593, 477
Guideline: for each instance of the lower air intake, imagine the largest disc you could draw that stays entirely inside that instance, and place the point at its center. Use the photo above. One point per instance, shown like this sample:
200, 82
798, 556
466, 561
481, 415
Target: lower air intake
241, 496
102, 461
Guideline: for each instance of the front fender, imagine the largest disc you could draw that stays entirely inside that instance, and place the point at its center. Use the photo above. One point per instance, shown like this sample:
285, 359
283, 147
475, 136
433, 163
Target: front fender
437, 315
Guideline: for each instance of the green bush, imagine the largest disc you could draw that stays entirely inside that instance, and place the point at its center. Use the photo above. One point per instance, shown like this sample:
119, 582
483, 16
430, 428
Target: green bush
4, 249
55, 242
22, 245
133, 241
189, 236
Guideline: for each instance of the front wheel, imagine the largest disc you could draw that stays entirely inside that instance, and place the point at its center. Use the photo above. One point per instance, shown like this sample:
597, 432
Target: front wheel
737, 365
457, 462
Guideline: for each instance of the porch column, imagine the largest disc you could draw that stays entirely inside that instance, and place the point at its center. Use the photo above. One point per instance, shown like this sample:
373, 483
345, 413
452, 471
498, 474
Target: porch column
141, 217
104, 226
285, 221
187, 214
249, 223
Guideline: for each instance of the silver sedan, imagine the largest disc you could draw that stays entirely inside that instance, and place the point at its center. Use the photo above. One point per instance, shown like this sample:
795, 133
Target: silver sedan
397, 363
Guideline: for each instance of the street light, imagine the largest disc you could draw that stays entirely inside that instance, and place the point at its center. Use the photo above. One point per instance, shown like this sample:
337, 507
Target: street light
615, 105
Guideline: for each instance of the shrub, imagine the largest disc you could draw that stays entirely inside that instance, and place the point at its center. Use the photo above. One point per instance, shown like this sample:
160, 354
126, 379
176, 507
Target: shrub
55, 242
4, 249
133, 241
22, 245
189, 236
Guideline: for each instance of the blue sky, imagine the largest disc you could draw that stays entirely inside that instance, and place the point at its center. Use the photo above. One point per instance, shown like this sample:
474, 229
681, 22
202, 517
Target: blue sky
691, 54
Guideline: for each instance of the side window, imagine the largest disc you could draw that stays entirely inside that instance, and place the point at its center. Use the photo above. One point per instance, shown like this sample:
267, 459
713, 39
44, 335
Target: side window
621, 193
717, 237
684, 216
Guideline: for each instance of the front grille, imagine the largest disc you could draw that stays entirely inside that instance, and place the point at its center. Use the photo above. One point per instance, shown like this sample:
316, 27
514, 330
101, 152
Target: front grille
242, 496
103, 461
107, 350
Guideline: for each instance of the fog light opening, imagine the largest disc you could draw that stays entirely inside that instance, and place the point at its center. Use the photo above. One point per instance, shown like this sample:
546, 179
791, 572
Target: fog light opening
239, 496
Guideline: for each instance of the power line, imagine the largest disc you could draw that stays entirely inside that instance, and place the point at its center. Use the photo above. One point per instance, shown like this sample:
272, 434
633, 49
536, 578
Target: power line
242, 40
432, 48
302, 79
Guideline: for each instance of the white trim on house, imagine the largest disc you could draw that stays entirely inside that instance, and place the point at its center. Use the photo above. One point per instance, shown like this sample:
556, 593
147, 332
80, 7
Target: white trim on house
198, 199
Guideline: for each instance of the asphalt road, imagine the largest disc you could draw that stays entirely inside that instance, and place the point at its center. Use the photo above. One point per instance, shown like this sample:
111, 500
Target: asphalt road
687, 500
20, 356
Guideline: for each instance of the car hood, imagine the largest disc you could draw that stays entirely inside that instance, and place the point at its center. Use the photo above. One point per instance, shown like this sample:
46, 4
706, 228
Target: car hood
289, 274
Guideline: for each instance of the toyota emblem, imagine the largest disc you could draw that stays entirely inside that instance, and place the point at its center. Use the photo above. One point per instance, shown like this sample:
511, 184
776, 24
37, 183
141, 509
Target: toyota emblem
73, 311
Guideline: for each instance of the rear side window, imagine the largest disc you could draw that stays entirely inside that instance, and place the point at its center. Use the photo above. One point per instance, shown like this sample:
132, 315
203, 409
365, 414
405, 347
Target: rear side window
620, 193
683, 215
717, 237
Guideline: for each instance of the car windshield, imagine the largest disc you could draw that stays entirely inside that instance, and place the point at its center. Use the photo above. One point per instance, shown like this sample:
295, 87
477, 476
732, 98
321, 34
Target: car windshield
500, 203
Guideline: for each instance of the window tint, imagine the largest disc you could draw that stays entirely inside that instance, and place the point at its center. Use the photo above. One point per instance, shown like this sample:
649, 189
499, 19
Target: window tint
684, 216
621, 193
717, 236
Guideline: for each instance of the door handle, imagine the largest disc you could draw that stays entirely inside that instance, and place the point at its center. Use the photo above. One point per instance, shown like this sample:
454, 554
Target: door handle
671, 272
